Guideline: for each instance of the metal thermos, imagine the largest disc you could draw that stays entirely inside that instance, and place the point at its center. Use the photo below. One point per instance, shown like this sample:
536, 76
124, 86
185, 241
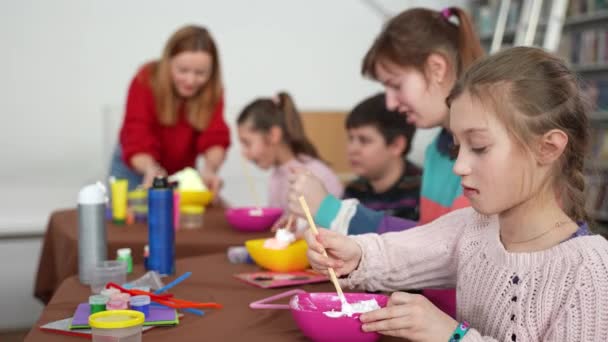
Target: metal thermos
91, 230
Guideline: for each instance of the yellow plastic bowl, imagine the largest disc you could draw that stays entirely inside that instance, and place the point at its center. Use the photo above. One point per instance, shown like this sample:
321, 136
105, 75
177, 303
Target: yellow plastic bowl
199, 198
292, 258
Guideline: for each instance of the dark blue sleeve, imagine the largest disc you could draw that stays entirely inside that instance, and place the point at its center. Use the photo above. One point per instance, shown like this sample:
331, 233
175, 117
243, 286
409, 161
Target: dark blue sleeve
367, 220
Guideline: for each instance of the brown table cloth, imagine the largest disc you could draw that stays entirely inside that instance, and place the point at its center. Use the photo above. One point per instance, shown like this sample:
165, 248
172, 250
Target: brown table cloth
211, 281
59, 256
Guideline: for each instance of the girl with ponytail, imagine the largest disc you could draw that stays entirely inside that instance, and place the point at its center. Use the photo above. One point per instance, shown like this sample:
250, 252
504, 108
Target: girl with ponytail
272, 136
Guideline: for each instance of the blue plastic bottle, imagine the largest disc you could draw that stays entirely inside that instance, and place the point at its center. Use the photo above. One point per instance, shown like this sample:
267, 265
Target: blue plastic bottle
161, 235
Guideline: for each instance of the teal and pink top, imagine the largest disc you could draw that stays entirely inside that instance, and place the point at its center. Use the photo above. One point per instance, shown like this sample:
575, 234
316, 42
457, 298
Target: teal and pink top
441, 190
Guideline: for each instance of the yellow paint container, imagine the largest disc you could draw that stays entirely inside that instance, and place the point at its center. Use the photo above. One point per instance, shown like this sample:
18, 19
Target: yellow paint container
119, 189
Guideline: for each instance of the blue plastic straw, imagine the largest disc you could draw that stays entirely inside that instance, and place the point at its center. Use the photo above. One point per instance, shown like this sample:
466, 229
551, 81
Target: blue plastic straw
194, 311
173, 283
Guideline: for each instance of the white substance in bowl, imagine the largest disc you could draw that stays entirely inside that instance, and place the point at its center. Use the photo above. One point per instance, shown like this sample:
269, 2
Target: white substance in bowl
285, 235
353, 308
283, 238
256, 212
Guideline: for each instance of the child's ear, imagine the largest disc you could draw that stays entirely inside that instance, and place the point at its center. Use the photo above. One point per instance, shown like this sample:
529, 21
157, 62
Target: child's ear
398, 145
275, 134
437, 68
551, 146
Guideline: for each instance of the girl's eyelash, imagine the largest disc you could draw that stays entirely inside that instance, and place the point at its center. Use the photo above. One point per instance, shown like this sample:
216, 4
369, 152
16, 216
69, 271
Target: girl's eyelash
479, 150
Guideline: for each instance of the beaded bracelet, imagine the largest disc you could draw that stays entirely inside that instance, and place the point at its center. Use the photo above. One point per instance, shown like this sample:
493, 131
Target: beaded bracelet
459, 332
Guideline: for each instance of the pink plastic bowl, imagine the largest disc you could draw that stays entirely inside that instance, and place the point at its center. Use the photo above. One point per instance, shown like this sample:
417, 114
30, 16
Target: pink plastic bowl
242, 219
308, 312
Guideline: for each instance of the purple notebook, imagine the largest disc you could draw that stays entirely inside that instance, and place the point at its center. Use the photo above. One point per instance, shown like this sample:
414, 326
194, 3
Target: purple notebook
158, 316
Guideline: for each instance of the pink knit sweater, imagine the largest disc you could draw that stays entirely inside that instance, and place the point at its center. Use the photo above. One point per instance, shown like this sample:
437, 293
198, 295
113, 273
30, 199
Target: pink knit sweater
559, 294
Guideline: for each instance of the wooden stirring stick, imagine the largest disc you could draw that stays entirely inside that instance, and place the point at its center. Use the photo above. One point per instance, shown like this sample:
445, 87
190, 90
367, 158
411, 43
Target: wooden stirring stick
332, 274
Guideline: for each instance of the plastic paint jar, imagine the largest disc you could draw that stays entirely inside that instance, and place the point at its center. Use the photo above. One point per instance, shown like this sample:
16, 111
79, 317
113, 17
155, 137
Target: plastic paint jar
239, 255
137, 201
117, 304
124, 254
117, 326
141, 213
125, 297
141, 304
97, 303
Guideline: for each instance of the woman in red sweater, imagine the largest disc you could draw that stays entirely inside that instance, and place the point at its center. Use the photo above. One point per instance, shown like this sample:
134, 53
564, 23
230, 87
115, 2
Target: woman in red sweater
174, 113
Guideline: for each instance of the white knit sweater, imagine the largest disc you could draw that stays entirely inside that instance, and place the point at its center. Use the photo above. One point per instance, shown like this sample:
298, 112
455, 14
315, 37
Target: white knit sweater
559, 294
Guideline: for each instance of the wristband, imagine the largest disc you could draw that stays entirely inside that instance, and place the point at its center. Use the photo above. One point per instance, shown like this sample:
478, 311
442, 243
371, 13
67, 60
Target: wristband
459, 332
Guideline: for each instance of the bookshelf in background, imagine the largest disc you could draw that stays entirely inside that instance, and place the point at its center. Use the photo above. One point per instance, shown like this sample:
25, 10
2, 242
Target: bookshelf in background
584, 45
485, 12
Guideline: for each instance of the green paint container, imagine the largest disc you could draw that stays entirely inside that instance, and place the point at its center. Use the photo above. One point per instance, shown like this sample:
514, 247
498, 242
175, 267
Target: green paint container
98, 303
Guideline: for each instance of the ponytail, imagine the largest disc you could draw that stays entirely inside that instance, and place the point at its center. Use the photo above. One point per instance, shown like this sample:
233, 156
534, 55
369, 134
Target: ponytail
409, 38
469, 48
265, 113
294, 134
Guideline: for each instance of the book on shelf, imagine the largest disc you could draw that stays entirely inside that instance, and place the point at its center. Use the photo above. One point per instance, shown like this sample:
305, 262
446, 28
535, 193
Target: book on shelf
596, 203
597, 175
585, 47
584, 7
485, 14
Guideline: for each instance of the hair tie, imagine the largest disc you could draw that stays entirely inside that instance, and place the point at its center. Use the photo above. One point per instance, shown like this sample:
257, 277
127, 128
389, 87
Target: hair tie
446, 13
276, 99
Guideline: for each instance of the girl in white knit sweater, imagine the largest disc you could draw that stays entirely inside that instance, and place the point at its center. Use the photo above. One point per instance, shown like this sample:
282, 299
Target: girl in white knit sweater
525, 266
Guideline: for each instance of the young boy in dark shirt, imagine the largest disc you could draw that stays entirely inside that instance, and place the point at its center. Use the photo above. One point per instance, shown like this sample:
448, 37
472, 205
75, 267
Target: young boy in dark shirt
378, 143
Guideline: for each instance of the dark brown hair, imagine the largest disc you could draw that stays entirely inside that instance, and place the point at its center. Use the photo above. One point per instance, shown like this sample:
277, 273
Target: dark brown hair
533, 92
200, 107
409, 38
265, 113
391, 124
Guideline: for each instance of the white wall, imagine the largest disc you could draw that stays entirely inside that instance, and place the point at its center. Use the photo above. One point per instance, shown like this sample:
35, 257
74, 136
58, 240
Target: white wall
65, 60
18, 308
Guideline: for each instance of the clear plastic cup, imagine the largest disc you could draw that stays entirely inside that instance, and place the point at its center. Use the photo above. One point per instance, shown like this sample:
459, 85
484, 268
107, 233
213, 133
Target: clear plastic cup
117, 326
108, 271
191, 216
151, 280
109, 292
